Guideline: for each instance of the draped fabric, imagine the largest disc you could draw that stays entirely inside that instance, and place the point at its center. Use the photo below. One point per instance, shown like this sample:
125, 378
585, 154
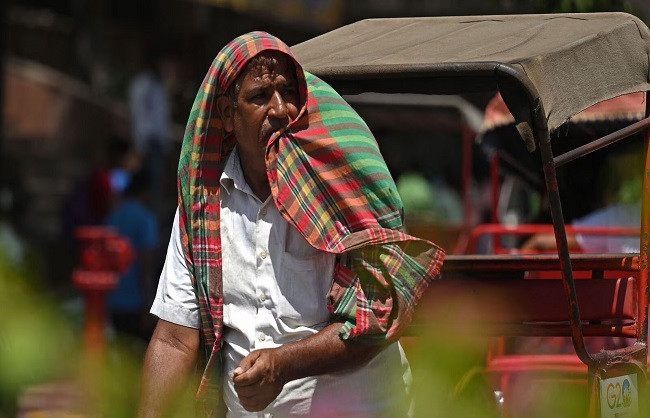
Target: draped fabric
329, 181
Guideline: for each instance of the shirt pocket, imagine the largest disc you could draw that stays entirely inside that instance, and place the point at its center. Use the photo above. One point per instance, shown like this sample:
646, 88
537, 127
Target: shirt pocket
304, 281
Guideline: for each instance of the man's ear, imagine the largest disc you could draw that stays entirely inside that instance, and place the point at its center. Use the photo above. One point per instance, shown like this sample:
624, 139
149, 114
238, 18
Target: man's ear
226, 111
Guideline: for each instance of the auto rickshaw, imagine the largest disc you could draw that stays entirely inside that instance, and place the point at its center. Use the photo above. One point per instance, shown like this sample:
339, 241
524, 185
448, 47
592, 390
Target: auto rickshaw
547, 68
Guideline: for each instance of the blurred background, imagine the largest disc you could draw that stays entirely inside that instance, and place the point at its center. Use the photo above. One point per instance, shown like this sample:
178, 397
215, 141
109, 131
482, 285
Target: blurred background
95, 97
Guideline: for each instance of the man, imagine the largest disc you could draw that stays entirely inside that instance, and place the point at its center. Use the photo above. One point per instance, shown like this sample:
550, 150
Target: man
287, 263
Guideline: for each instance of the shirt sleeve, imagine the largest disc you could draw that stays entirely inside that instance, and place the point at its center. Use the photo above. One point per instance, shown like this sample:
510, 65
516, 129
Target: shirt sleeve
176, 300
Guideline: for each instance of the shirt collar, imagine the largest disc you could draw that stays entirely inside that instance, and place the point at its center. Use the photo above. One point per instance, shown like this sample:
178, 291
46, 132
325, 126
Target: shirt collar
233, 176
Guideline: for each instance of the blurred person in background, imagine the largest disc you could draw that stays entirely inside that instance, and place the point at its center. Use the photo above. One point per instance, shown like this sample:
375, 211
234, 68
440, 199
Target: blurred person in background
151, 119
132, 218
436, 202
96, 194
286, 252
621, 184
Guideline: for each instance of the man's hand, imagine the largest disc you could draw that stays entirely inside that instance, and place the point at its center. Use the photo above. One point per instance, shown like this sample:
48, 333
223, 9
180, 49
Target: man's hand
259, 378
545, 243
262, 374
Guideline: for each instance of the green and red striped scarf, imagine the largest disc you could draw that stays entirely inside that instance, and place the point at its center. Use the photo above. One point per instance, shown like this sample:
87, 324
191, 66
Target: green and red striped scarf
329, 180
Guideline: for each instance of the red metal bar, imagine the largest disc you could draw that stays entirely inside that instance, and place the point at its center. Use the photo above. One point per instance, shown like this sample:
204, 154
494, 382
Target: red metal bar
494, 183
496, 190
642, 331
535, 262
538, 363
562, 245
531, 229
556, 330
533, 329
467, 176
499, 328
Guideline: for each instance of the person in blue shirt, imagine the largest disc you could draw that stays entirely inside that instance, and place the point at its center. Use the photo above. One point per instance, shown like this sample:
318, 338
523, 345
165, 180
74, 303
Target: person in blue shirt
129, 302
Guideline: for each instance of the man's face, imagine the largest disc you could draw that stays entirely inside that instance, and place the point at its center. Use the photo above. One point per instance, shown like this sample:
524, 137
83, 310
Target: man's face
267, 101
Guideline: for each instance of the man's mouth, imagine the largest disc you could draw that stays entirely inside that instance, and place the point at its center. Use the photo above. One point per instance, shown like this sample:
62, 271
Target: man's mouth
270, 132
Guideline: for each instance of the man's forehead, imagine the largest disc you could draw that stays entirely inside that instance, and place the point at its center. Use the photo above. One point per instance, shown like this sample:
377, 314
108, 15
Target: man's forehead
271, 61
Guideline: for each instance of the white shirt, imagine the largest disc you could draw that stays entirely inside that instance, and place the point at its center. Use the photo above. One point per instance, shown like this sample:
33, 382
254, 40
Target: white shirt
614, 216
275, 286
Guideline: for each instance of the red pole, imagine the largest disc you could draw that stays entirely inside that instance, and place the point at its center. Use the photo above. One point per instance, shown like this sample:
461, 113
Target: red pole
104, 256
95, 286
467, 175
642, 290
494, 181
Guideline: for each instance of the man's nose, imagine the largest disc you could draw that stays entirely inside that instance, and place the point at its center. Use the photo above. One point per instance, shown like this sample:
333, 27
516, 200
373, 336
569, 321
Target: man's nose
278, 106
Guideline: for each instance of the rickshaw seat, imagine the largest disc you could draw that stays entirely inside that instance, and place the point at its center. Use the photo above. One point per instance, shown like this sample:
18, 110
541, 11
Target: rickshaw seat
539, 307
507, 303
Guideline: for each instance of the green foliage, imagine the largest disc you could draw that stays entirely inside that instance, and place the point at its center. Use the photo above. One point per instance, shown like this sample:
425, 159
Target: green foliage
630, 191
448, 359
35, 343
43, 362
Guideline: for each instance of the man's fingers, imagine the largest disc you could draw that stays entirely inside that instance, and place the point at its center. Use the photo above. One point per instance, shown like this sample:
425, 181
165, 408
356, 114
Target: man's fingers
249, 376
245, 364
256, 380
246, 392
257, 396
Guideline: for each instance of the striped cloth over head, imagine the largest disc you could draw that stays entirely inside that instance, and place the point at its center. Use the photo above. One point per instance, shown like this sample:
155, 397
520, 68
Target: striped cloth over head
329, 181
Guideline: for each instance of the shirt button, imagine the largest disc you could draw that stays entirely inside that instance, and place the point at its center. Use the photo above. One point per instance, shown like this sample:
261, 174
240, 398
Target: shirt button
262, 297
263, 255
263, 212
262, 337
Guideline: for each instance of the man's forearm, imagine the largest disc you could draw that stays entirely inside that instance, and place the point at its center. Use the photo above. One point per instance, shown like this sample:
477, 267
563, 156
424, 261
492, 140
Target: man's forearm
324, 352
168, 365
262, 374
